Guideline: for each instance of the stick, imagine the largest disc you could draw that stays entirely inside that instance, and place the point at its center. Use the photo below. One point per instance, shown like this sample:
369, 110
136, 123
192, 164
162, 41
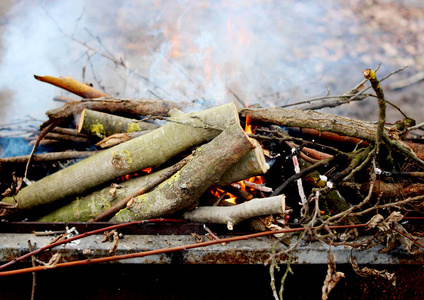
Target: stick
47, 157
232, 215
138, 107
40, 137
73, 86
370, 75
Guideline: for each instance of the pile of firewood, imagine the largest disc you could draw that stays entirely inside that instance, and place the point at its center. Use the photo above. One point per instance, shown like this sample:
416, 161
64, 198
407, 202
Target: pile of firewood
149, 159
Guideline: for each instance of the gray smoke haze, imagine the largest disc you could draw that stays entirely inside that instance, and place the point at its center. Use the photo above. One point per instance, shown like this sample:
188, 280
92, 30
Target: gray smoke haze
267, 52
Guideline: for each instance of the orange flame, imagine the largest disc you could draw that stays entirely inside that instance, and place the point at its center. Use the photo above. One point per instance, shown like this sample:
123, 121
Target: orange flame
147, 170
231, 200
248, 128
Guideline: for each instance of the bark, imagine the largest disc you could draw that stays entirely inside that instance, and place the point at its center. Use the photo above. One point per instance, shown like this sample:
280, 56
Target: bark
312, 119
326, 122
101, 124
119, 138
182, 190
138, 107
149, 150
232, 215
89, 206
66, 137
51, 156
83, 208
68, 131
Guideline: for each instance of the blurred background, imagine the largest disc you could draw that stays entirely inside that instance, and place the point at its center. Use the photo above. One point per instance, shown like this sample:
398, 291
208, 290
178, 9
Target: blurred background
270, 53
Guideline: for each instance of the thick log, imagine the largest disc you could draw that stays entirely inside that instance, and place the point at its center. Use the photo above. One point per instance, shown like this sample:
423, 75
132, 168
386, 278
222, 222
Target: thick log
182, 190
100, 124
84, 208
149, 150
232, 215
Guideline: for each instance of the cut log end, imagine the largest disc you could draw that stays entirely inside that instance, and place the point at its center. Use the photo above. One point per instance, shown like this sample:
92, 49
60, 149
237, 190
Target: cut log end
81, 121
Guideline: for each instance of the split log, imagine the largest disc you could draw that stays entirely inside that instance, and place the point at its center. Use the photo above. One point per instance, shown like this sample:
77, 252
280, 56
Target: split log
72, 85
84, 208
232, 215
100, 124
182, 191
149, 150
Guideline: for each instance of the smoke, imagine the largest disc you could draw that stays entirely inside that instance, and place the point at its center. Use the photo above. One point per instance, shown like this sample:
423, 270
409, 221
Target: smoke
212, 52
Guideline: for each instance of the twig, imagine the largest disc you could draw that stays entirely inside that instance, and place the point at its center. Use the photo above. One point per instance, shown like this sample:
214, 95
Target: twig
272, 267
31, 248
256, 186
407, 82
40, 137
387, 205
370, 75
212, 234
303, 172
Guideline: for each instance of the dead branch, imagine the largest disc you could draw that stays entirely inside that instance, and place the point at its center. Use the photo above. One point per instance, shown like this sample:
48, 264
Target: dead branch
138, 107
370, 75
73, 86
232, 215
51, 156
312, 119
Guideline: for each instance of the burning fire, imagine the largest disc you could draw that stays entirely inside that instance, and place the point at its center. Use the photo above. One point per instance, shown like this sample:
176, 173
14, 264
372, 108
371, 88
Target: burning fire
242, 186
128, 176
248, 128
246, 191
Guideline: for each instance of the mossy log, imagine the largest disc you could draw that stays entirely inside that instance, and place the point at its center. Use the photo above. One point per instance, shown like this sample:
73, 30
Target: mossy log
149, 150
86, 207
182, 190
101, 125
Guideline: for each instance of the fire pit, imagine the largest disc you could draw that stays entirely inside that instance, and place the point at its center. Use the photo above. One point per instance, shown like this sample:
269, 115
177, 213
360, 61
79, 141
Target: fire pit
216, 179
